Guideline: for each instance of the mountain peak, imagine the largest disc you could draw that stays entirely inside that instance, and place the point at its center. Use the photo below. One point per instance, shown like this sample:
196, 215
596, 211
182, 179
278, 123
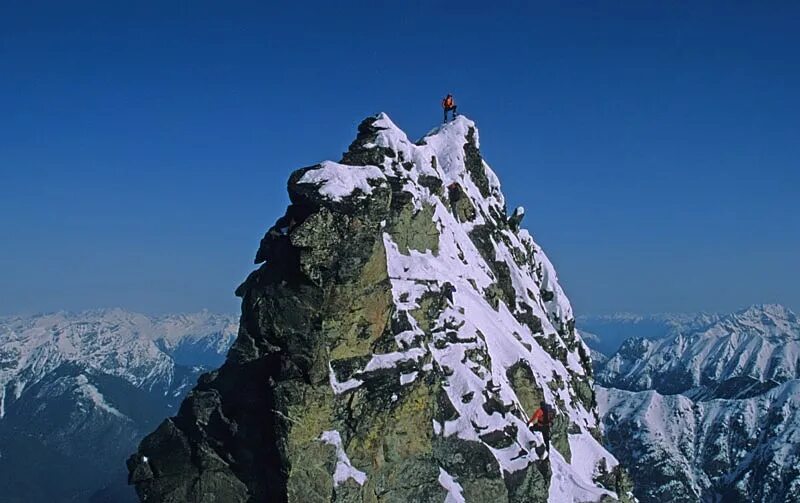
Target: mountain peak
397, 335
770, 321
458, 127
777, 311
449, 153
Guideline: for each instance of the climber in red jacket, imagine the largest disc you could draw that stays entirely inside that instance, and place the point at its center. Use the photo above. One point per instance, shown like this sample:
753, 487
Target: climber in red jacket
448, 104
541, 420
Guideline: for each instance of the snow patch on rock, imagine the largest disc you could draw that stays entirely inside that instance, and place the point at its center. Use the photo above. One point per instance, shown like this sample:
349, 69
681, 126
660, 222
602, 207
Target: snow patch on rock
337, 181
344, 470
453, 488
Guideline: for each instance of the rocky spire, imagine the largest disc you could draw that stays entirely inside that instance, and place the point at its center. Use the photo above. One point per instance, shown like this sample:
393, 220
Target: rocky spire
399, 331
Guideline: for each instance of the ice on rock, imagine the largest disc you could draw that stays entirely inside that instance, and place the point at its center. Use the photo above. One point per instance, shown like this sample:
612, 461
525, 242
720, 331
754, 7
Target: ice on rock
408, 378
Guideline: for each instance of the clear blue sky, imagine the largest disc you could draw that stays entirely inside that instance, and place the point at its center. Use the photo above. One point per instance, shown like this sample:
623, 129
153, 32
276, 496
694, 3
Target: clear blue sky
145, 146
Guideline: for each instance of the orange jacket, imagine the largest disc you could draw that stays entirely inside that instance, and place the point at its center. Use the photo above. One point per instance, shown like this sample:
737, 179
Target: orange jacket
448, 102
539, 417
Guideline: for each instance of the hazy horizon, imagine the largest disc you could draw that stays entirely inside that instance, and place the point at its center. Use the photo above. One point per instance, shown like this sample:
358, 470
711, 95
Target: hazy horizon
236, 311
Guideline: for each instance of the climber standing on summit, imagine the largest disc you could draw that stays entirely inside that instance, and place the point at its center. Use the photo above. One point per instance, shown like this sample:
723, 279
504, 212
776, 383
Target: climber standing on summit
448, 103
541, 420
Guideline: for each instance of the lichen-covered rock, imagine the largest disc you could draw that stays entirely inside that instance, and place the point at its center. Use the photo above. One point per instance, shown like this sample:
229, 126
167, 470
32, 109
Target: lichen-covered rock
399, 332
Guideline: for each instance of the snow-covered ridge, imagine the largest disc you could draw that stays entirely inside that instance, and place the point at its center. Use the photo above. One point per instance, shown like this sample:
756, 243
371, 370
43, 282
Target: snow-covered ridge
135, 347
613, 329
671, 318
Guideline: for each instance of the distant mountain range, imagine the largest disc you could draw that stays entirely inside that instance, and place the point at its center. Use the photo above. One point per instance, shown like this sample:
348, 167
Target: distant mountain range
736, 356
709, 408
698, 408
606, 333
79, 390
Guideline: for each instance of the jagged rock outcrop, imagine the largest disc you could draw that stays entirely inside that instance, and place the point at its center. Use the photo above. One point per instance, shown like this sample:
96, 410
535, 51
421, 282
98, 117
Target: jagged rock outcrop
398, 332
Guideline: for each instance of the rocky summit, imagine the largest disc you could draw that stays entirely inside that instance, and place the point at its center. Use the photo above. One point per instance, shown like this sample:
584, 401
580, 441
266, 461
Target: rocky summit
398, 333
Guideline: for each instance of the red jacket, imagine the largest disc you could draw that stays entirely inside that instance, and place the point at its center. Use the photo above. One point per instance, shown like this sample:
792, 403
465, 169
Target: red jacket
540, 417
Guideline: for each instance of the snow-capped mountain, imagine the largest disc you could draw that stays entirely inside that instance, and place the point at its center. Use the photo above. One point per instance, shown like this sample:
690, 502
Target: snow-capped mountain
716, 450
399, 332
711, 415
142, 350
739, 355
77, 390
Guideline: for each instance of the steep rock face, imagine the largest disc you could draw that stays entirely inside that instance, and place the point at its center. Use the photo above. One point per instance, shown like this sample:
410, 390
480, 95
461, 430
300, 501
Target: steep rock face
392, 343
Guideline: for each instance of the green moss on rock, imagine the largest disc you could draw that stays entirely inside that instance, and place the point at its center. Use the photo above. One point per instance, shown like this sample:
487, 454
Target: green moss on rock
474, 466
460, 204
432, 183
530, 485
416, 230
310, 476
529, 393
431, 304
394, 445
559, 436
584, 392
358, 313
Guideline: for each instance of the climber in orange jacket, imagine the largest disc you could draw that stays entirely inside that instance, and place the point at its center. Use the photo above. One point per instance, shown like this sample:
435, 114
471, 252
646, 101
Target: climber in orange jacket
448, 103
541, 420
